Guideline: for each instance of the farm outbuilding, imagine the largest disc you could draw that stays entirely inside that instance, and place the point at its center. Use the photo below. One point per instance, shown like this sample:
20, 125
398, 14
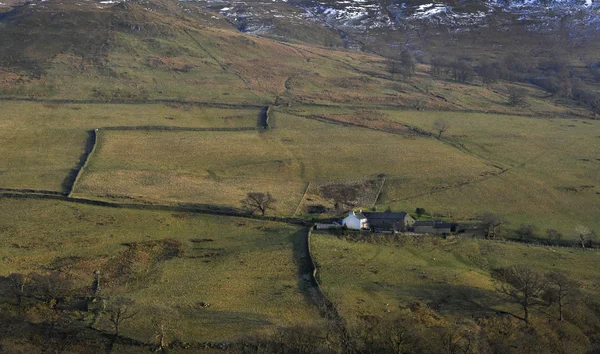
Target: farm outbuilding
435, 227
396, 222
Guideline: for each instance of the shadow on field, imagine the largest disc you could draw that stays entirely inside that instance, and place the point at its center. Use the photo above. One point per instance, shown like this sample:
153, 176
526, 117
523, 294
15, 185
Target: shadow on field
446, 297
301, 259
69, 181
209, 317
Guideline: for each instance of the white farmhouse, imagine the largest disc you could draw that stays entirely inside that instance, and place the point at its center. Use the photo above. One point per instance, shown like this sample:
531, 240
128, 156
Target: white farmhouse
356, 221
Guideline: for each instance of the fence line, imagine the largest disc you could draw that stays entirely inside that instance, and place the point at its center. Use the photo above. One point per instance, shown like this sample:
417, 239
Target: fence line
379, 192
34, 191
87, 157
572, 246
326, 307
175, 128
302, 200
148, 101
185, 208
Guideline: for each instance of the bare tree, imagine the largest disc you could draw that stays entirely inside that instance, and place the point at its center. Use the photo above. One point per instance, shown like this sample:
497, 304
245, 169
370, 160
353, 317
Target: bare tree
454, 339
163, 325
559, 289
523, 286
440, 66
120, 310
584, 235
553, 234
96, 286
257, 201
516, 96
440, 126
394, 67
399, 336
526, 231
18, 283
462, 71
408, 61
50, 288
492, 223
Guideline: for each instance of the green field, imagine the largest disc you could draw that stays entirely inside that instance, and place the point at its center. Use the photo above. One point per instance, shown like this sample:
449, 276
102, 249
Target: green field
552, 177
452, 276
221, 167
245, 269
344, 133
433, 283
41, 143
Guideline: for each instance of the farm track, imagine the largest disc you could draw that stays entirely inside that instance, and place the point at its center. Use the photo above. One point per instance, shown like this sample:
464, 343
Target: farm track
486, 178
213, 57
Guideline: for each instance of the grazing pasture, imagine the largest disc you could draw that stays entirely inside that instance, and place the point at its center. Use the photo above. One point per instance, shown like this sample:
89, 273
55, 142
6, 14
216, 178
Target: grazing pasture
553, 170
42, 143
169, 263
221, 167
383, 275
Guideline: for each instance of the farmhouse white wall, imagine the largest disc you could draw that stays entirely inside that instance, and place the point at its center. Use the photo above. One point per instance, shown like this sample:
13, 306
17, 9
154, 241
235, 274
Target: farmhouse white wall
355, 223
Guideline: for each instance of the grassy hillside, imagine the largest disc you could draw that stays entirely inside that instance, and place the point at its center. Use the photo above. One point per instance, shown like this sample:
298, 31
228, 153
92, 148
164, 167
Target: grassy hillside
167, 262
552, 169
448, 283
43, 142
221, 167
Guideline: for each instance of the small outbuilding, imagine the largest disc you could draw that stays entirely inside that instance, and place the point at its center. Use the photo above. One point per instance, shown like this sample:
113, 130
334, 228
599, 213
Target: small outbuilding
435, 227
356, 221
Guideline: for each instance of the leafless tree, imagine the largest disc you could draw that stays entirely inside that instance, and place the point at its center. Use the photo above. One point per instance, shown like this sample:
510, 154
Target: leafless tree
394, 67
257, 201
492, 223
560, 287
523, 286
553, 234
454, 339
163, 325
120, 310
439, 66
526, 231
96, 286
399, 337
462, 71
18, 283
584, 234
516, 96
50, 288
440, 126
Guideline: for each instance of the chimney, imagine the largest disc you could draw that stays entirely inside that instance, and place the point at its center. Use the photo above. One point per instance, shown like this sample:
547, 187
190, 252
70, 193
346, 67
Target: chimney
352, 213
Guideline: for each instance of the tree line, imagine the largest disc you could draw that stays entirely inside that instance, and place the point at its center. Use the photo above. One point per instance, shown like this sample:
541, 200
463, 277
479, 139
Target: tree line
556, 76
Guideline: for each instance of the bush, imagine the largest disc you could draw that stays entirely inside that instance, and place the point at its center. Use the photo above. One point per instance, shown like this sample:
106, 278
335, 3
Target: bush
317, 209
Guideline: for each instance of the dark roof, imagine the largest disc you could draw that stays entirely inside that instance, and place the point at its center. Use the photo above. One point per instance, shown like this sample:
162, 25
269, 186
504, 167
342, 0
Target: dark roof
437, 224
443, 225
360, 215
395, 216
